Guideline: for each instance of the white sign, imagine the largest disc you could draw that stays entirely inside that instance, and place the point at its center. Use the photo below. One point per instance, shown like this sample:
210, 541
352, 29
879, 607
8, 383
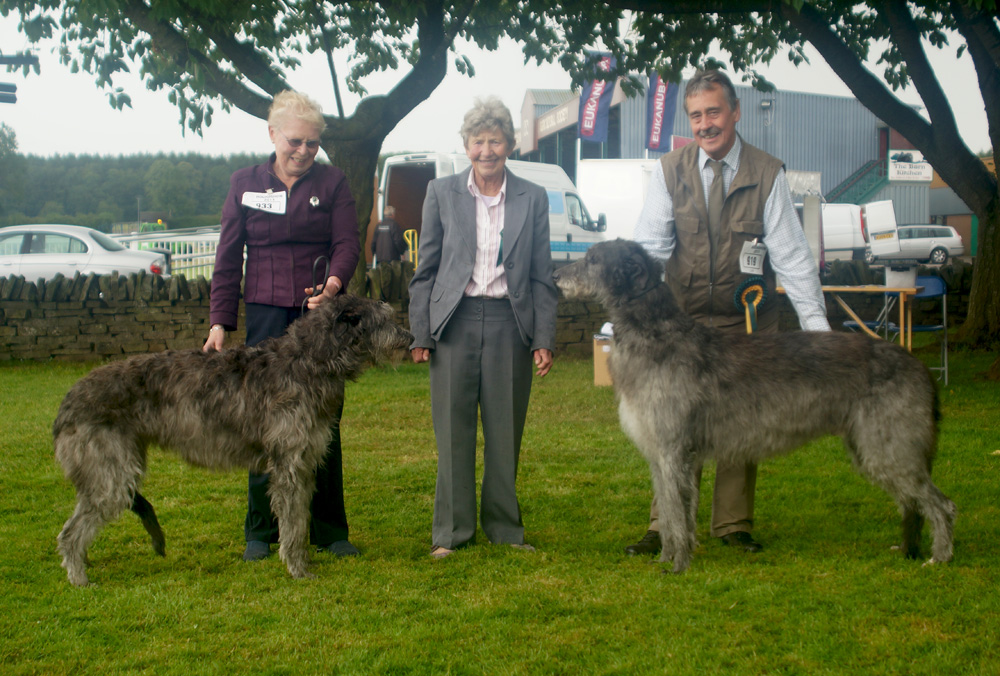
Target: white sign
274, 202
909, 165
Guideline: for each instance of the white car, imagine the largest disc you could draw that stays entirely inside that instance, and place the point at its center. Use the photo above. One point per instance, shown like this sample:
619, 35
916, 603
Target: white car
930, 243
42, 251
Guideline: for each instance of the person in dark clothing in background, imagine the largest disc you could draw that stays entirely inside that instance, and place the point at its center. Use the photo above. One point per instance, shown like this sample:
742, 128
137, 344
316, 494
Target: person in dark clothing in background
388, 243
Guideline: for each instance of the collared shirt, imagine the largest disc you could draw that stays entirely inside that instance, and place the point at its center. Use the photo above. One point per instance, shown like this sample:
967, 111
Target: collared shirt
786, 242
488, 278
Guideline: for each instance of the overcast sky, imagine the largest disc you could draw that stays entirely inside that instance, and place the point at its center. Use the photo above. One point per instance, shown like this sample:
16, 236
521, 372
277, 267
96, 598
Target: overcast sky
62, 113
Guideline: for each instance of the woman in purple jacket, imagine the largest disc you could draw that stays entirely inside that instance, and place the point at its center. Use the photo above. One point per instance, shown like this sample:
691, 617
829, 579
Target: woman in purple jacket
287, 212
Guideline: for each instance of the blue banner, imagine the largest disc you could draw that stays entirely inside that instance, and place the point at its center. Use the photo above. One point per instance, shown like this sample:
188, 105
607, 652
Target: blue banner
661, 107
595, 102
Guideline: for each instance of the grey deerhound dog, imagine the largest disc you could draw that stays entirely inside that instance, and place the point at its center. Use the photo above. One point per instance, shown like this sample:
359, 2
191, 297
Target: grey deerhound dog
687, 393
267, 408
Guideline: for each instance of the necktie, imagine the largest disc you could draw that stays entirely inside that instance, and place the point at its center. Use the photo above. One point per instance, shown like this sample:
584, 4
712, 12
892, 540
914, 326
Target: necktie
716, 198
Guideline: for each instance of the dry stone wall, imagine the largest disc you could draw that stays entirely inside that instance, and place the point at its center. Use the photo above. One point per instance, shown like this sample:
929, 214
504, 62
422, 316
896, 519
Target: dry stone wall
104, 317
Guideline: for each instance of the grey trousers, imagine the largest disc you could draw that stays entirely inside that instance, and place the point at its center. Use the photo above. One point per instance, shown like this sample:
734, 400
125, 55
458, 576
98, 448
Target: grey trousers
480, 365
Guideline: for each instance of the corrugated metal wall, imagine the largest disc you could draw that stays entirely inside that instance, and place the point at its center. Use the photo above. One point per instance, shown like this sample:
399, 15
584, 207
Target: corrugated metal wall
834, 135
910, 201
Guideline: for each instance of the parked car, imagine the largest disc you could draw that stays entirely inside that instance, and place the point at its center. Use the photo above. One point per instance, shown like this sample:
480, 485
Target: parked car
925, 243
42, 251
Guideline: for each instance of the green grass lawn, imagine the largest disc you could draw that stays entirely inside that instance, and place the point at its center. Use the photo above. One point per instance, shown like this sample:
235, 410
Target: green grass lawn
826, 596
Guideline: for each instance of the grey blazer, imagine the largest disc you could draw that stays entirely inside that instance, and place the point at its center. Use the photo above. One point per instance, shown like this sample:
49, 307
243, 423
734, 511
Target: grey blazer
447, 254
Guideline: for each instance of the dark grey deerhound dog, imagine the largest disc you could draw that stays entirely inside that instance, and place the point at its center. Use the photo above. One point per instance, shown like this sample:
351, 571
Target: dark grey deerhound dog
687, 393
267, 408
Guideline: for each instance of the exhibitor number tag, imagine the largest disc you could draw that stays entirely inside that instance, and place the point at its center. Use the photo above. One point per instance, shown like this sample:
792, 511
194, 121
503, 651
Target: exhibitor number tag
752, 258
271, 202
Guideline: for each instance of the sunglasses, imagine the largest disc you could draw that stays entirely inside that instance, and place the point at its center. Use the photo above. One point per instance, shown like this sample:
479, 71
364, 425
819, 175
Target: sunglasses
312, 144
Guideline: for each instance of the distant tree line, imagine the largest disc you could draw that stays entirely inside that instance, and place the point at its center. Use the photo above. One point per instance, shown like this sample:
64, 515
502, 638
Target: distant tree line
98, 191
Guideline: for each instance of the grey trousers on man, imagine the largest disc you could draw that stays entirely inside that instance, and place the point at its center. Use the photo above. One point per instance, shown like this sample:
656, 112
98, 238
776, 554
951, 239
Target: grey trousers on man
735, 483
480, 364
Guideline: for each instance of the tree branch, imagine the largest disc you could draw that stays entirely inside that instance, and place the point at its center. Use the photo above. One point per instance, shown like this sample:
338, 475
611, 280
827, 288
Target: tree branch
982, 37
377, 115
952, 159
169, 42
906, 36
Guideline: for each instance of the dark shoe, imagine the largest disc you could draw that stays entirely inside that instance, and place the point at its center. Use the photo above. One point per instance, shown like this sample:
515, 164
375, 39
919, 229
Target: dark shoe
256, 550
340, 548
649, 544
742, 539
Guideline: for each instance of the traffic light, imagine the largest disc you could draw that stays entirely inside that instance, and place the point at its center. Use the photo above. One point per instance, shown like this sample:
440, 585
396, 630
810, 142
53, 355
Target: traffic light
8, 92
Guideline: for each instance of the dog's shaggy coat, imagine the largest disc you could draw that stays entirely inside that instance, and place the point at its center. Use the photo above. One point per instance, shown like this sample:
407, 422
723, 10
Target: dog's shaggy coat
688, 393
267, 408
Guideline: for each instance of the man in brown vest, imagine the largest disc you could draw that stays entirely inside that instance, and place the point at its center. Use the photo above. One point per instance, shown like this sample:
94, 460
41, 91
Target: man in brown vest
712, 208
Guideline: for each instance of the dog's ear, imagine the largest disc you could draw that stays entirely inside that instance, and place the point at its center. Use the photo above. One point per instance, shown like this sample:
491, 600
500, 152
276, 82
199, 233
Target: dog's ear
638, 271
350, 314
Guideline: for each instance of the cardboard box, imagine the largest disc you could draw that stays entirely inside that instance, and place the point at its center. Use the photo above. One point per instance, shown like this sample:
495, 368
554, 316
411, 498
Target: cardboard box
602, 350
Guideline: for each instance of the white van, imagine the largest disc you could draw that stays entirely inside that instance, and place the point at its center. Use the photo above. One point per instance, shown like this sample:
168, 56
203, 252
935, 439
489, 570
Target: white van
616, 188
844, 236
571, 229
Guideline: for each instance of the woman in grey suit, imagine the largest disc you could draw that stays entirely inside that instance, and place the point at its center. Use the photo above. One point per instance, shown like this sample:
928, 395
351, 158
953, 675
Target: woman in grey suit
482, 310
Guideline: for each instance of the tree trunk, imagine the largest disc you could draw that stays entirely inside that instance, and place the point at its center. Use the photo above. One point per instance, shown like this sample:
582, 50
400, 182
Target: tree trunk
359, 160
981, 328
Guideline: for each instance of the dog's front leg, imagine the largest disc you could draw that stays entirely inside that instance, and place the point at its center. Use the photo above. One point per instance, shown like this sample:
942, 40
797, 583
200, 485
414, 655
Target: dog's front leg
677, 503
291, 491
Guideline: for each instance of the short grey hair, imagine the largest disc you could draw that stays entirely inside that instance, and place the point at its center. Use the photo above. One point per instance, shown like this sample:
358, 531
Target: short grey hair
292, 105
704, 80
486, 114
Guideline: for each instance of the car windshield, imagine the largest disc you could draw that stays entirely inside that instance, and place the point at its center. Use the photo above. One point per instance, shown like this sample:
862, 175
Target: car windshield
106, 242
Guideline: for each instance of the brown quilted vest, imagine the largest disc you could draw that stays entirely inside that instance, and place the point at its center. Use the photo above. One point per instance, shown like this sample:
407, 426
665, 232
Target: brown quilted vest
688, 269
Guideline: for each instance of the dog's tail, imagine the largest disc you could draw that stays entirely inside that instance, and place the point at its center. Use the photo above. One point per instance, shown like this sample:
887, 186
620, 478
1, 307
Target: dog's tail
142, 507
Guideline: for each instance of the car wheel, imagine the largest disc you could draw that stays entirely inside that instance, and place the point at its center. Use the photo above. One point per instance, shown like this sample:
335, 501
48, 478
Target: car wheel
869, 256
939, 256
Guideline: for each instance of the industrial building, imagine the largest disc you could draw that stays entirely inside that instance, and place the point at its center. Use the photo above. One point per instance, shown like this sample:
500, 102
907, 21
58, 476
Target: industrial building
858, 157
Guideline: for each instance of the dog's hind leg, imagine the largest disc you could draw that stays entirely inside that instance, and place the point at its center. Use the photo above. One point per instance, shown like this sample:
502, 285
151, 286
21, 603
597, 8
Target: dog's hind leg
913, 524
291, 491
940, 513
144, 510
921, 500
105, 468
76, 537
904, 471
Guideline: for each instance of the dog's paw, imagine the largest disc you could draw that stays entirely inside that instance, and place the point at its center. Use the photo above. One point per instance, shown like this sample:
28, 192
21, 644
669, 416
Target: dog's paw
79, 581
932, 562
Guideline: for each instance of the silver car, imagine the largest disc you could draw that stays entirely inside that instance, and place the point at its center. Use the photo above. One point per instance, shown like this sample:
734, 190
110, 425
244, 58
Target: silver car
42, 251
926, 243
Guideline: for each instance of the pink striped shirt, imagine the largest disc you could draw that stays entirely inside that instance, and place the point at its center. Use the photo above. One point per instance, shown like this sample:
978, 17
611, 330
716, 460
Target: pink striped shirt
488, 277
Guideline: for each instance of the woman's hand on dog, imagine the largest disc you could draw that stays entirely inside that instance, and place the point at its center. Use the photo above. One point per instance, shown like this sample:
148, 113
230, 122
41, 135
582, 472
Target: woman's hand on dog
216, 339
